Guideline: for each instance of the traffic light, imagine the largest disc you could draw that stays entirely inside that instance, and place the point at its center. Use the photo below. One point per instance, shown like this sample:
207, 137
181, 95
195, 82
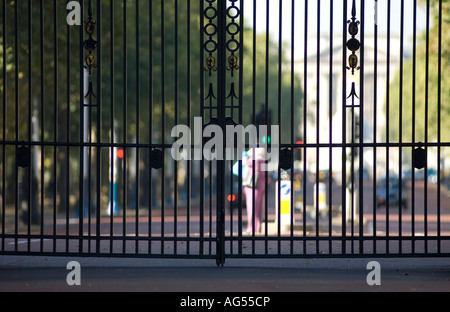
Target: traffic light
120, 153
299, 149
266, 140
264, 118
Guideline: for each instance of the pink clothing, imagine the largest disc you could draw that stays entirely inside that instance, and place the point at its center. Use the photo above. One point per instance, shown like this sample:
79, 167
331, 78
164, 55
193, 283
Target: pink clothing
255, 197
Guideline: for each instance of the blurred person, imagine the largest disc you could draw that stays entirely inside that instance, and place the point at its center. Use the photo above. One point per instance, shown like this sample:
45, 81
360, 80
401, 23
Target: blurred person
254, 187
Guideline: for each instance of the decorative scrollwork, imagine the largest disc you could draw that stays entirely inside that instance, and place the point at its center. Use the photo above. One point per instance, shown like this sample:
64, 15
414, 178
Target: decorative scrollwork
90, 44
231, 45
211, 95
210, 64
353, 44
233, 63
233, 29
210, 30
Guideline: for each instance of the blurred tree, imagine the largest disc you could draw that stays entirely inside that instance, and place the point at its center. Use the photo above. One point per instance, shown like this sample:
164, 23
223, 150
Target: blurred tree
144, 93
418, 105
269, 81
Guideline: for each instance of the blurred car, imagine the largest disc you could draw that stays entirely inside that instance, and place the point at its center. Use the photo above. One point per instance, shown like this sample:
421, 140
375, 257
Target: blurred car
392, 189
431, 175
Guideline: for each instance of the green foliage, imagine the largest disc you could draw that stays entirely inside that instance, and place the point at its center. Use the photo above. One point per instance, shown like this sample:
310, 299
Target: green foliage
264, 83
419, 102
50, 102
140, 94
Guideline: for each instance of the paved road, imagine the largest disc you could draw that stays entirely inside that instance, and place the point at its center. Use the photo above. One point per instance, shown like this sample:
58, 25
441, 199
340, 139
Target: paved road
25, 274
256, 275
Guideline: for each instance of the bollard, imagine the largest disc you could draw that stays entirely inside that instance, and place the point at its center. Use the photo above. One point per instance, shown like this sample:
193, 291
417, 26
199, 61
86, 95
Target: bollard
284, 205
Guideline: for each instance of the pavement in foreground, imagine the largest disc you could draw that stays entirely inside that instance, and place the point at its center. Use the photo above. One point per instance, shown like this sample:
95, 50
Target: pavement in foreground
45, 274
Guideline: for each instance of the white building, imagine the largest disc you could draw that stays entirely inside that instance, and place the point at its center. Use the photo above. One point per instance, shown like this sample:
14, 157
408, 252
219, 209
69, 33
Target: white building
331, 104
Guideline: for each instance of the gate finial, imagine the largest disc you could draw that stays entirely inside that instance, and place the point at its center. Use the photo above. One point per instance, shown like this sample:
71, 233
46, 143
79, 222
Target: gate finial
90, 44
353, 44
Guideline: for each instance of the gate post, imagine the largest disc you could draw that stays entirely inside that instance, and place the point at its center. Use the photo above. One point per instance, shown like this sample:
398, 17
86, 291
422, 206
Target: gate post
221, 102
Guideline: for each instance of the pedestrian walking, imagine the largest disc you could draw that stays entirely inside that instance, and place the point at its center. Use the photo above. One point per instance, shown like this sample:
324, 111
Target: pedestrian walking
254, 187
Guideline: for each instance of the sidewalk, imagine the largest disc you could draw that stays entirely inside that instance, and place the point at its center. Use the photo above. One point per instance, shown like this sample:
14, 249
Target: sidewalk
43, 274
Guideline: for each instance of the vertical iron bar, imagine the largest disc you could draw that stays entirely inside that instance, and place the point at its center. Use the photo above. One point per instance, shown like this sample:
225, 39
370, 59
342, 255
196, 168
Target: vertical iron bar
82, 140
305, 113
221, 101
254, 98
388, 67
402, 21
330, 125
292, 210
125, 102
89, 155
4, 125
375, 139
163, 101
427, 76
266, 95
352, 170
254, 102
211, 187
138, 110
55, 118
30, 179
189, 178
99, 125
317, 127
280, 51
439, 134
229, 172
175, 185
344, 131
202, 113
42, 118
150, 125
67, 163
361, 132
89, 169
414, 59
88, 106
240, 121
210, 192
16, 115
112, 133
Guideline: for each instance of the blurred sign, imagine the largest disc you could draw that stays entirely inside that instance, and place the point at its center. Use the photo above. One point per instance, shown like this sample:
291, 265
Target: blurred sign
284, 205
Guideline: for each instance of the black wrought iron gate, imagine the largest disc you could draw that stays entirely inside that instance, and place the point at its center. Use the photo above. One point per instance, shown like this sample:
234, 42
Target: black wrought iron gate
127, 126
